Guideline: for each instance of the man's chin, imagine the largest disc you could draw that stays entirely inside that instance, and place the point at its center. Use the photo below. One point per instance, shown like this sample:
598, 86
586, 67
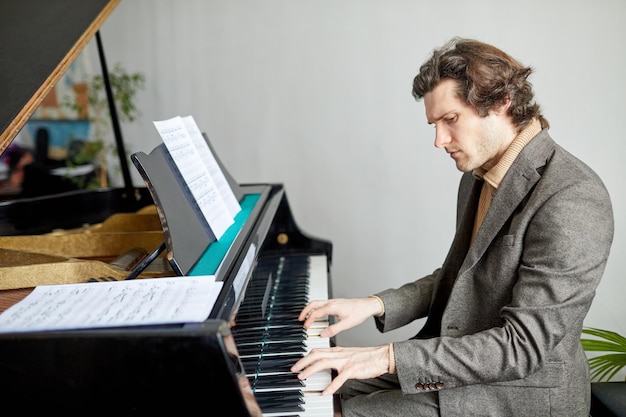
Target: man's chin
463, 168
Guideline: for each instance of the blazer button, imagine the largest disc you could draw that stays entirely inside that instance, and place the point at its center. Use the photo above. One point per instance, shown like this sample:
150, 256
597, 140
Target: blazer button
419, 386
432, 386
439, 385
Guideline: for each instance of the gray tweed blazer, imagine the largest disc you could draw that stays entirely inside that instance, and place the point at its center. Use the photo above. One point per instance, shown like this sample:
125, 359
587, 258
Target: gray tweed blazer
505, 313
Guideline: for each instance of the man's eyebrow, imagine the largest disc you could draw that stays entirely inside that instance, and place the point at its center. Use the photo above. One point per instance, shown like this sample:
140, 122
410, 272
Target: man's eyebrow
436, 119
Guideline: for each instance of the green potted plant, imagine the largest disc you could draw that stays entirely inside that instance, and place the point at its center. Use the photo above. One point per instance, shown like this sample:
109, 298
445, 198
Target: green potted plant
604, 367
95, 106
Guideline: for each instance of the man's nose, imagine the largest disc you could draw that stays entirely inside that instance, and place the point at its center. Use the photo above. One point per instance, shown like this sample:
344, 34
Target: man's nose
442, 137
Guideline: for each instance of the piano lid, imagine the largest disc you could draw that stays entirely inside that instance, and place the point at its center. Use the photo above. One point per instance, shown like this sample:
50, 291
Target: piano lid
40, 40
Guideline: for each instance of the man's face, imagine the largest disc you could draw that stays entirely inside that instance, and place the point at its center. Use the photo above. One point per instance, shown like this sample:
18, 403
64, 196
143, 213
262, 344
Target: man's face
472, 141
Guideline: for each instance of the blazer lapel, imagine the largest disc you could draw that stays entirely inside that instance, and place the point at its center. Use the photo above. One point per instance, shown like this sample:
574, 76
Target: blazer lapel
515, 186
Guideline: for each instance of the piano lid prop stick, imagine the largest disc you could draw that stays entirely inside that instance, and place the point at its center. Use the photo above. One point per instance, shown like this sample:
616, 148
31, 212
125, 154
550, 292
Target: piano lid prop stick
146, 261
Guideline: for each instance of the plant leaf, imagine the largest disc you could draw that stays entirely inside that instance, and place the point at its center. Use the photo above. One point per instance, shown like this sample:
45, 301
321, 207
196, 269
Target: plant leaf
604, 367
606, 341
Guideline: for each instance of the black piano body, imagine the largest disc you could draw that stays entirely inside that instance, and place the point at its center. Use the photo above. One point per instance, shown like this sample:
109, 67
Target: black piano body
187, 367
131, 370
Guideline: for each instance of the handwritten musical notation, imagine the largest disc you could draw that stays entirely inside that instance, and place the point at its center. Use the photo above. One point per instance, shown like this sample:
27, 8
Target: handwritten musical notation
112, 304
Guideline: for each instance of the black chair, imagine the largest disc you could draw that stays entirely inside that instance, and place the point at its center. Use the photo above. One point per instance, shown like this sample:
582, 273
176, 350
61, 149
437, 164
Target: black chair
608, 399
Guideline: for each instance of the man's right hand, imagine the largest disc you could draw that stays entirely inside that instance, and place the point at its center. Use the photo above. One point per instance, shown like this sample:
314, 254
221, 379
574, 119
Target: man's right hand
349, 312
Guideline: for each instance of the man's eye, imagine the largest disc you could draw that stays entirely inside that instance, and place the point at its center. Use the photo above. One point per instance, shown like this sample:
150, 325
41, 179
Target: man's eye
451, 119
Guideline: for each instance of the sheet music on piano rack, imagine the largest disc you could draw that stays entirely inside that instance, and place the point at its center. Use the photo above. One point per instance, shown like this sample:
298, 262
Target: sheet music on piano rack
213, 167
200, 172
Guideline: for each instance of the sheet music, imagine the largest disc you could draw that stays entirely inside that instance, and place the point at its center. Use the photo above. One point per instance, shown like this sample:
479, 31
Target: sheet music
212, 166
195, 174
114, 303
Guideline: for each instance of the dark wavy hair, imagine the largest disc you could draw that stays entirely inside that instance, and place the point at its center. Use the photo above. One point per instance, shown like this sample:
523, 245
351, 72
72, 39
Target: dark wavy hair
485, 77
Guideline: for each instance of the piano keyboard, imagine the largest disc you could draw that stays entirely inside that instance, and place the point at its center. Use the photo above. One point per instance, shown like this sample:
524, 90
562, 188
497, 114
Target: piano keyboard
270, 339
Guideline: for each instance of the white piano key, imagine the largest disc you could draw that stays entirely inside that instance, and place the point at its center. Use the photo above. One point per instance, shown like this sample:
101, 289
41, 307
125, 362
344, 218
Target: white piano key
318, 381
315, 405
316, 342
318, 277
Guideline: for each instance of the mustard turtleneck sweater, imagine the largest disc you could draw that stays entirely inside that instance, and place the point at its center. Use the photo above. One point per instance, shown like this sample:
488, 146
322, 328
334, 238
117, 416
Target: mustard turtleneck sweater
494, 176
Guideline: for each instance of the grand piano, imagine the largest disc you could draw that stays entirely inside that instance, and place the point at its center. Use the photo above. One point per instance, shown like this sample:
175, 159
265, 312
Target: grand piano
233, 363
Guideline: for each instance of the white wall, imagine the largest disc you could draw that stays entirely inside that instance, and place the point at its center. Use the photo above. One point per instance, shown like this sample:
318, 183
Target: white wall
317, 95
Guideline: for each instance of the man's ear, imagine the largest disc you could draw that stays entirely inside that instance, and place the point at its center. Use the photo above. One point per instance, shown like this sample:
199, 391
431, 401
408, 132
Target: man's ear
503, 107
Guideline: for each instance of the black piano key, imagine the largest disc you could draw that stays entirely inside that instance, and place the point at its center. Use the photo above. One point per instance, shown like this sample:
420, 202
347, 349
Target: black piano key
261, 344
275, 381
292, 395
270, 337
274, 327
293, 325
269, 334
293, 307
254, 368
280, 294
282, 408
272, 348
275, 319
285, 401
292, 302
265, 360
284, 338
269, 364
301, 286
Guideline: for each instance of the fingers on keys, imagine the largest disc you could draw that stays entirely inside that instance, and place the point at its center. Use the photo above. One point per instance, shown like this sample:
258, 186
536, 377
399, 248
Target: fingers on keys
310, 311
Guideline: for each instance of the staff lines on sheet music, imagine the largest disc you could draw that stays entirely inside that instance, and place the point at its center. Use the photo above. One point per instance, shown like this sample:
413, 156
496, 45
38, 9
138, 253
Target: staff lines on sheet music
145, 301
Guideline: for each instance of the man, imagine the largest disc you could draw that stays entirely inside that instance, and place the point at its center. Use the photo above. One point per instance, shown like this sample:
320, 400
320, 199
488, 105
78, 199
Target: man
505, 310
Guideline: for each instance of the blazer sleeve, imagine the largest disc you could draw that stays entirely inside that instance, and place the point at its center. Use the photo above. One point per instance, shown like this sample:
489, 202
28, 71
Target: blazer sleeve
406, 304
